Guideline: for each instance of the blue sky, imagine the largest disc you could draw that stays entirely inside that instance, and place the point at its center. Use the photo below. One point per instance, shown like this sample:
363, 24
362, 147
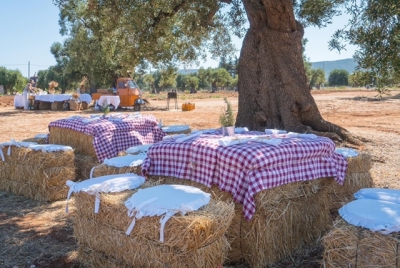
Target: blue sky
29, 28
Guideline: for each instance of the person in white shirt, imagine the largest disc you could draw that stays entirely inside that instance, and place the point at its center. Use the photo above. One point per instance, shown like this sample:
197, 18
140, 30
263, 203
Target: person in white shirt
28, 89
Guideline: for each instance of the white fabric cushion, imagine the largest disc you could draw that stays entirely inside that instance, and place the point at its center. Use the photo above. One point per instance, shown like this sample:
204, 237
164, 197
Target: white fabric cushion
175, 128
375, 215
389, 195
138, 149
346, 152
13, 143
41, 136
228, 141
105, 184
126, 160
50, 147
164, 200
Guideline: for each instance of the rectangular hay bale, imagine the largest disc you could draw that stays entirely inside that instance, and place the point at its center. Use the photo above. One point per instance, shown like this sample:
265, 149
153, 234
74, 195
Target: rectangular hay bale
57, 105
36, 174
349, 246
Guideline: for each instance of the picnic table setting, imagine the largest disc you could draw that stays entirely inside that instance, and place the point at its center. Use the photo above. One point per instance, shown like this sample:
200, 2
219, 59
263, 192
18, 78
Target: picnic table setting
111, 134
247, 162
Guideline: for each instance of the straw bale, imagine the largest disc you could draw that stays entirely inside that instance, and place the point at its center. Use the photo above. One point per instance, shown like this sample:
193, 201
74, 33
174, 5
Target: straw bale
139, 252
36, 174
360, 163
91, 258
104, 169
44, 105
35, 191
349, 246
202, 226
278, 226
83, 166
81, 142
337, 195
57, 105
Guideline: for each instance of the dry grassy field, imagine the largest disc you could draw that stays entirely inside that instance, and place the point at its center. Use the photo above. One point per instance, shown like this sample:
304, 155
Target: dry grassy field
40, 233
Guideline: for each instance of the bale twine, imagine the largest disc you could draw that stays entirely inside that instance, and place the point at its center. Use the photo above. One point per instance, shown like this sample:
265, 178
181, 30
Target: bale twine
81, 142
132, 251
357, 177
278, 226
186, 232
83, 166
349, 246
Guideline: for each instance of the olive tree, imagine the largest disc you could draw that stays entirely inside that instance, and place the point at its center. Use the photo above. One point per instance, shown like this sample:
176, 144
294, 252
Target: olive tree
273, 87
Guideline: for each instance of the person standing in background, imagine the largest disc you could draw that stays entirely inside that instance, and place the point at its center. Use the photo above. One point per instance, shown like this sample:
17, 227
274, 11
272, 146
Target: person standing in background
28, 89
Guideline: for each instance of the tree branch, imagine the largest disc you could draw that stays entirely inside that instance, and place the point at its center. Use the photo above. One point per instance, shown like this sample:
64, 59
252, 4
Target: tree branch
162, 15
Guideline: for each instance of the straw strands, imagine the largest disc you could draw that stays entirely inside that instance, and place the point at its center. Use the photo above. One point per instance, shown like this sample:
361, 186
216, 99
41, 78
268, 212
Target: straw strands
81, 142
202, 226
357, 177
196, 239
287, 218
83, 166
37, 140
104, 169
350, 246
133, 251
36, 174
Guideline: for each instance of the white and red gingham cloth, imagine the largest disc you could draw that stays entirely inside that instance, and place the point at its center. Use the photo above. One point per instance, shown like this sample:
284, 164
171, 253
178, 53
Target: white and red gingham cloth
113, 135
245, 169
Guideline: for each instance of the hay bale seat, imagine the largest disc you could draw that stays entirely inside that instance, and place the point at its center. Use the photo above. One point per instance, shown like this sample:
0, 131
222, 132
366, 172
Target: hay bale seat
39, 138
278, 226
36, 171
347, 245
84, 165
119, 165
196, 239
357, 177
103, 138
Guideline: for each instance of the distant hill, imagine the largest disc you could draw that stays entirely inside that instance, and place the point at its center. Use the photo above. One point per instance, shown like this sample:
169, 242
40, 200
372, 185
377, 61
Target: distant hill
187, 71
328, 66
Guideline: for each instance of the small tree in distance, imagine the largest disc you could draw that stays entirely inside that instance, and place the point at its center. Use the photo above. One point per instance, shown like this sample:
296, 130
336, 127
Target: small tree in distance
338, 78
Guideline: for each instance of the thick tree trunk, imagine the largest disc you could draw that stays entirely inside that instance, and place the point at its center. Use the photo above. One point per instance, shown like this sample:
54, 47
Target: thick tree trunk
273, 88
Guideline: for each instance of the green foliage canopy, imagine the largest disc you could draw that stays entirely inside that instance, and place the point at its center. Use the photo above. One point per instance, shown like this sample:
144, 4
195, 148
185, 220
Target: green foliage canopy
338, 78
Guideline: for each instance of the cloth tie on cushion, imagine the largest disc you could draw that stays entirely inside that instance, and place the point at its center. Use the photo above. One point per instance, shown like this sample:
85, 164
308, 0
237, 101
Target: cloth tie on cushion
186, 199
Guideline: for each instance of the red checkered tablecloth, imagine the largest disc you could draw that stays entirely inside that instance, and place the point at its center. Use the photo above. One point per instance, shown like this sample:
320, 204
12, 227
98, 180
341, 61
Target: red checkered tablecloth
245, 169
114, 134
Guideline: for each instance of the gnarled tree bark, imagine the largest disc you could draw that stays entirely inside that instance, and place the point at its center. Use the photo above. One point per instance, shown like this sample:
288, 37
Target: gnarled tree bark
273, 88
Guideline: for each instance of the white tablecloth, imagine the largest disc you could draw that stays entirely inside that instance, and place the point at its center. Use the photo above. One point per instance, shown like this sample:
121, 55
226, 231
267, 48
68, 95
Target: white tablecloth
104, 100
19, 101
62, 97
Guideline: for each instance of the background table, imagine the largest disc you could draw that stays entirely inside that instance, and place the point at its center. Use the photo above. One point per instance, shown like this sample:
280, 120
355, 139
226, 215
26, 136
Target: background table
62, 97
19, 101
104, 100
245, 169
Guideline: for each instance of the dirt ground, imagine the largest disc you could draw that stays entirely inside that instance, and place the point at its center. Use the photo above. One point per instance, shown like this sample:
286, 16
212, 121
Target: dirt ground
39, 234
